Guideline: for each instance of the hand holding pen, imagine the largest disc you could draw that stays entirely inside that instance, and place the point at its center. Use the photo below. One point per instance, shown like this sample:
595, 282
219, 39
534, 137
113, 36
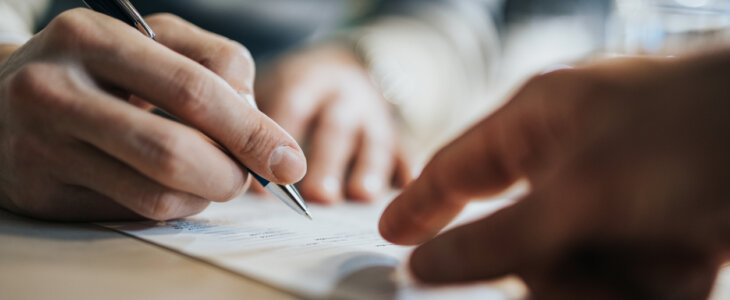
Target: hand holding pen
124, 11
77, 148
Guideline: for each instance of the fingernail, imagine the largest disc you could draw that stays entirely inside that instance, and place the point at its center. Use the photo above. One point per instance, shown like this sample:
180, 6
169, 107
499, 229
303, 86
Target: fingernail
331, 186
287, 164
373, 184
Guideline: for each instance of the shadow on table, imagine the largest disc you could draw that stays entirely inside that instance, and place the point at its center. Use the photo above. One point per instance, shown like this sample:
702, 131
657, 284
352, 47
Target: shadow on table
366, 276
15, 225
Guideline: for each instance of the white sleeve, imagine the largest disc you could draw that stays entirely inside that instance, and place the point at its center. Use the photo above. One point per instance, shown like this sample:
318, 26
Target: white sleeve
18, 18
434, 64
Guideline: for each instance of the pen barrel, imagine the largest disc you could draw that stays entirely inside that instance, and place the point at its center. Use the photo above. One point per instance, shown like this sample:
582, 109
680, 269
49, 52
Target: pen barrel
260, 179
111, 8
122, 10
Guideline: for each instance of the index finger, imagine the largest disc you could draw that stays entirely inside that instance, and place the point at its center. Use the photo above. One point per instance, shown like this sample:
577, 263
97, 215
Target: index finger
451, 178
228, 59
485, 160
189, 91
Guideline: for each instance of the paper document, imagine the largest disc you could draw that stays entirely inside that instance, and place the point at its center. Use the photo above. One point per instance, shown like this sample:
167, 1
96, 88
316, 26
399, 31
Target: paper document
337, 255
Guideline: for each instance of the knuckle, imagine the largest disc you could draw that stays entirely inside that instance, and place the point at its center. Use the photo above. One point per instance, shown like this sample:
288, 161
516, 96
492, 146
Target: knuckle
83, 31
231, 55
171, 165
250, 141
233, 49
70, 26
165, 19
164, 151
192, 90
29, 90
69, 20
241, 54
28, 79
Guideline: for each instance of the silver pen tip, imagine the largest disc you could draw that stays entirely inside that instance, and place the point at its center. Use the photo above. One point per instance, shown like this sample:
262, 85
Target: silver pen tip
290, 196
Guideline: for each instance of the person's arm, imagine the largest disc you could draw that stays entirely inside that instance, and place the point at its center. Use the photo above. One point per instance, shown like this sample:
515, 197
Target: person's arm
628, 167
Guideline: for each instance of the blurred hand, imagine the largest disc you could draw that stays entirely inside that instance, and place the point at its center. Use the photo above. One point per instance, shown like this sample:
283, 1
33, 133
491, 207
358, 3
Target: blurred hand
628, 165
324, 97
73, 148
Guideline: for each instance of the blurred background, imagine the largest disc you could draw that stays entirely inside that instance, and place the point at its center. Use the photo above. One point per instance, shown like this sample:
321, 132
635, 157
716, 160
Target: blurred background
442, 64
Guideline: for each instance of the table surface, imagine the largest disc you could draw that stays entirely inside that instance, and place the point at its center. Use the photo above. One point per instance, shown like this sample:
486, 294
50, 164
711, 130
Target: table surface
45, 260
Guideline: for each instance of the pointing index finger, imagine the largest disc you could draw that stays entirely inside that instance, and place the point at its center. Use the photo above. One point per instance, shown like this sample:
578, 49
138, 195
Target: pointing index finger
485, 160
445, 186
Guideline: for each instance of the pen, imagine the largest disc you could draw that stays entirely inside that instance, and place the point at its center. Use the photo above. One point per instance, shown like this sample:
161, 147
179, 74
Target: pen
125, 11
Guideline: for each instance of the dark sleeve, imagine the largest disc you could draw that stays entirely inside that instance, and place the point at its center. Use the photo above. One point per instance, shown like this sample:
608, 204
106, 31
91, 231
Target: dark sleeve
514, 10
506, 12
490, 7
